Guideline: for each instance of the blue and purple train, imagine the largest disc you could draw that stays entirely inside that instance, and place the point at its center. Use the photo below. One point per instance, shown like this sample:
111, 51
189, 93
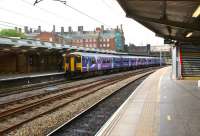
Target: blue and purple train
82, 62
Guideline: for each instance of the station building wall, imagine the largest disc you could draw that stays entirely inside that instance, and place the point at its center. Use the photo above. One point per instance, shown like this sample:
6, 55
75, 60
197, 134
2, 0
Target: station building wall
29, 62
7, 62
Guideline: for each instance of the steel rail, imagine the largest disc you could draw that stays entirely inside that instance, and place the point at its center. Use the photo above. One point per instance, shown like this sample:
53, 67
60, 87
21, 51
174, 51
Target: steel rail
104, 84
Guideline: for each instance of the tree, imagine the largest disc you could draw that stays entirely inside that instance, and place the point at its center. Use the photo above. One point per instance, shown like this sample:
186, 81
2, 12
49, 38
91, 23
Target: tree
11, 33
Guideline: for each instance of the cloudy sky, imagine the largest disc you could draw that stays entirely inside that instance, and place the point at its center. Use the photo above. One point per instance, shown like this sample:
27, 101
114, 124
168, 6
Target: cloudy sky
48, 13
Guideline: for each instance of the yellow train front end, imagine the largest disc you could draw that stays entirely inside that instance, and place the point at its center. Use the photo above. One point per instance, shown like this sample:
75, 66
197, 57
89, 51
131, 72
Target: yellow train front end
73, 64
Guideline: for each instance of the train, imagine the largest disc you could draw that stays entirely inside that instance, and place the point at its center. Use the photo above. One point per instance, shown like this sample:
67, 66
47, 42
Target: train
82, 62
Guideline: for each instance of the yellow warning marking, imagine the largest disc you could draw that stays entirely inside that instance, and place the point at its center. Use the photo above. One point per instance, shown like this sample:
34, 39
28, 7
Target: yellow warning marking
168, 117
191, 78
148, 123
72, 63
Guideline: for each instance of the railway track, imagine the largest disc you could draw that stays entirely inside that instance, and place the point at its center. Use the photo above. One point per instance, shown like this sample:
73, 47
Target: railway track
15, 113
36, 86
28, 109
60, 89
97, 114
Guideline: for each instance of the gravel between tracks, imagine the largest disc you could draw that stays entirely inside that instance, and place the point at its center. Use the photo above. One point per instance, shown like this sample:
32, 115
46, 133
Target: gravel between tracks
45, 124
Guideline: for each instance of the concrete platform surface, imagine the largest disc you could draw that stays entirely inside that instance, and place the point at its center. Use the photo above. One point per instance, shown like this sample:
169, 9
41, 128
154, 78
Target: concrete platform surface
160, 106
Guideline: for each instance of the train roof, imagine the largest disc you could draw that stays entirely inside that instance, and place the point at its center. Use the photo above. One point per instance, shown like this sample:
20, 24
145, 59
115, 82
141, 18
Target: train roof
107, 55
93, 54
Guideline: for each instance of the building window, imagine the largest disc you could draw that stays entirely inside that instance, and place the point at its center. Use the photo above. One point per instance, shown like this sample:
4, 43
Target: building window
108, 45
94, 40
104, 45
108, 40
86, 45
100, 45
104, 40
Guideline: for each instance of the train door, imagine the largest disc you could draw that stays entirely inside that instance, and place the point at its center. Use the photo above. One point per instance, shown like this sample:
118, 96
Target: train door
72, 63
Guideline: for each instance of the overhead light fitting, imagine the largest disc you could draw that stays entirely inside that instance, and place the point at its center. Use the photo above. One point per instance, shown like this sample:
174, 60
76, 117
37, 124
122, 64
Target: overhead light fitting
189, 34
197, 12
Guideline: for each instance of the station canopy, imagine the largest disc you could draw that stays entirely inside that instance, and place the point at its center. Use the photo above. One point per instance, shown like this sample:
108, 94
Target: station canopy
170, 19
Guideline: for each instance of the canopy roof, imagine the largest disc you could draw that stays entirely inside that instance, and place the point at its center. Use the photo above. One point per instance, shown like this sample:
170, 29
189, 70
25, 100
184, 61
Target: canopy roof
169, 19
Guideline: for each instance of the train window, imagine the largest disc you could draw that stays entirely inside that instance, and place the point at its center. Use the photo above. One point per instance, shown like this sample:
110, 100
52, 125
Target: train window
93, 61
104, 60
67, 59
110, 60
107, 60
78, 59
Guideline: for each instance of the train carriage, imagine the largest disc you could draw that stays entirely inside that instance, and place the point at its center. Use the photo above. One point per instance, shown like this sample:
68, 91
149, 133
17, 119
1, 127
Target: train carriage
82, 62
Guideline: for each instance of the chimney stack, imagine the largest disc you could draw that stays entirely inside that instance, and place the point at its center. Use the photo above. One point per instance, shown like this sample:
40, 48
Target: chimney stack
80, 28
31, 30
69, 29
26, 30
62, 30
102, 28
54, 29
16, 29
20, 30
39, 29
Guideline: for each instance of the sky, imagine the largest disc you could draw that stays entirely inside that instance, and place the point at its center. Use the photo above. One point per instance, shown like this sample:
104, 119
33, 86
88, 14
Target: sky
50, 12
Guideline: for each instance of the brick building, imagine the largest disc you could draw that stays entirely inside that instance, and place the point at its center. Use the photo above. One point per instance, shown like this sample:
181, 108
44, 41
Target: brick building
46, 36
112, 39
99, 38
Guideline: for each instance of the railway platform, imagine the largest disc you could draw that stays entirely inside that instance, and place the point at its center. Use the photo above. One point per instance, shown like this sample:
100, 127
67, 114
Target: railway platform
6, 77
159, 106
9, 80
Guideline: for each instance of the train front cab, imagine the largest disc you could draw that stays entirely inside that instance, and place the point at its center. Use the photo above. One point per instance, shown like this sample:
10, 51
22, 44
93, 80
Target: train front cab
73, 64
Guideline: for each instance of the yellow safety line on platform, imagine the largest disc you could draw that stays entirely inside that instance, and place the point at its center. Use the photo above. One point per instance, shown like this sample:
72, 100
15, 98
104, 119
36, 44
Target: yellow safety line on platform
148, 124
